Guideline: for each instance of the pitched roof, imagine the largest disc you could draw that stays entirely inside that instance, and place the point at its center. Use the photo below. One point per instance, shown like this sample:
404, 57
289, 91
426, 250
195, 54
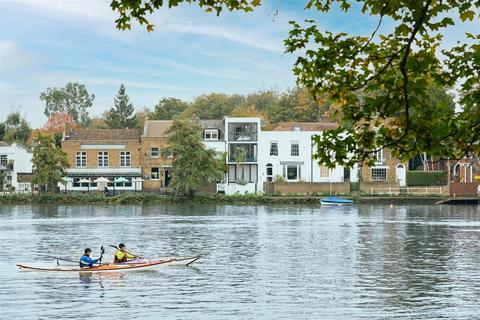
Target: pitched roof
211, 124
104, 134
4, 144
156, 128
305, 126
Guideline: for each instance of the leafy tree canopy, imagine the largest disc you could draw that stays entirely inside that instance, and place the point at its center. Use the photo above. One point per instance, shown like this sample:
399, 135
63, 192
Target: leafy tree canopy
168, 108
72, 99
16, 128
121, 115
194, 166
379, 82
49, 163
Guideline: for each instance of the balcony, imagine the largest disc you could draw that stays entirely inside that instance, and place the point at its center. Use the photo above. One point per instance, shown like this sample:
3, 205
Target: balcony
242, 153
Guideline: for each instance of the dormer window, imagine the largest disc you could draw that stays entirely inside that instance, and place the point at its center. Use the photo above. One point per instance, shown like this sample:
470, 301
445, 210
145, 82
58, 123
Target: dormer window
297, 128
211, 134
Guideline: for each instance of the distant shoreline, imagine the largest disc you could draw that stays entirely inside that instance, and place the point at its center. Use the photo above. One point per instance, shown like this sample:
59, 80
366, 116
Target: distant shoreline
153, 198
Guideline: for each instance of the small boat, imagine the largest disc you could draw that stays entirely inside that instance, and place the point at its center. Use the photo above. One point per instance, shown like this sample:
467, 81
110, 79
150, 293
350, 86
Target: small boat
335, 201
113, 267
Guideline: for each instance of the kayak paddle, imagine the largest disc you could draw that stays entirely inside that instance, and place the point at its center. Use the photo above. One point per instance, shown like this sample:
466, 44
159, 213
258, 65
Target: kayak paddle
113, 246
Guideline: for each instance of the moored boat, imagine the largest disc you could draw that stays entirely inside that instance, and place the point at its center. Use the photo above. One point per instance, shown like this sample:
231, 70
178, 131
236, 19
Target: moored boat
115, 267
335, 201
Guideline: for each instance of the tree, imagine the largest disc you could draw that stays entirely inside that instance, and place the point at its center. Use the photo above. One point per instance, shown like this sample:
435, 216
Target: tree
49, 163
17, 128
72, 99
58, 125
121, 115
2, 131
168, 108
97, 123
378, 82
193, 165
214, 105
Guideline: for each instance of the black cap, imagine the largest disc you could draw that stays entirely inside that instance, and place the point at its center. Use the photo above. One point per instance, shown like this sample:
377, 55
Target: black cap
121, 245
87, 250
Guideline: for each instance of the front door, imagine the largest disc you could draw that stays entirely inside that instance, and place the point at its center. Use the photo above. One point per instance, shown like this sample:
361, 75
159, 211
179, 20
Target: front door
401, 175
168, 177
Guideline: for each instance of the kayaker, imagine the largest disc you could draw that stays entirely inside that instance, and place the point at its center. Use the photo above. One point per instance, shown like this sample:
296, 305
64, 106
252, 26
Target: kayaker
122, 255
86, 261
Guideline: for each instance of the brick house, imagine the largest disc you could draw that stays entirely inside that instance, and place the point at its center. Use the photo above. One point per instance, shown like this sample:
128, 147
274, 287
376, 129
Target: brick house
387, 172
111, 154
156, 170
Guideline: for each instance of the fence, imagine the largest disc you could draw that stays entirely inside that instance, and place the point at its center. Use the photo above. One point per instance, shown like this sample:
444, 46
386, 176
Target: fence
464, 189
414, 191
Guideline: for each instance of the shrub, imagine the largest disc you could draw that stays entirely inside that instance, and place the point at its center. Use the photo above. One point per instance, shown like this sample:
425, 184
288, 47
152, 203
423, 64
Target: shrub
279, 178
426, 178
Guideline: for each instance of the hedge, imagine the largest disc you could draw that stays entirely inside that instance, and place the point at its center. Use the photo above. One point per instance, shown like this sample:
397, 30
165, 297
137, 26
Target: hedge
426, 178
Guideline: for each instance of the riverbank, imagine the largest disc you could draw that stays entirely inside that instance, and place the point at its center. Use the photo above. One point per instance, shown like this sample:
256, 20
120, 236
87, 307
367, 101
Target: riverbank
152, 198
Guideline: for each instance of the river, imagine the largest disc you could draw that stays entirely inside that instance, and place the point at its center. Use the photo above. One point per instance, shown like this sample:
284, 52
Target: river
258, 262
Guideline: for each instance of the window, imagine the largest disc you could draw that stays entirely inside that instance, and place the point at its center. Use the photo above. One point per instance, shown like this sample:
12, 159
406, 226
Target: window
242, 131
81, 159
211, 134
293, 172
154, 152
125, 159
269, 172
324, 172
379, 174
3, 159
274, 149
103, 158
241, 174
378, 156
242, 152
154, 173
295, 149
297, 128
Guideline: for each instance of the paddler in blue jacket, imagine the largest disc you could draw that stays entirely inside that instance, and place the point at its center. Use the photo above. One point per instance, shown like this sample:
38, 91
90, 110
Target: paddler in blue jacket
86, 261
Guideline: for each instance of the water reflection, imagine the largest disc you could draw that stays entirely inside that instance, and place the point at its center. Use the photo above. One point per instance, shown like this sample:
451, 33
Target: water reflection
258, 262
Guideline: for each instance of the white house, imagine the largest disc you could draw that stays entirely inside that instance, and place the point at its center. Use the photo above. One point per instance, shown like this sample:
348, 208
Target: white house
287, 151
241, 143
16, 165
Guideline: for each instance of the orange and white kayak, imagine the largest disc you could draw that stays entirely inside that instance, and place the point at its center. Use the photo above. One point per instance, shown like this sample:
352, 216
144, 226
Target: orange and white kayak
128, 266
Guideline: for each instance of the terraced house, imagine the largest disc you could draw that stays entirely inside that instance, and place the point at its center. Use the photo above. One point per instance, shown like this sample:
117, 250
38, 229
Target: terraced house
100, 158
156, 169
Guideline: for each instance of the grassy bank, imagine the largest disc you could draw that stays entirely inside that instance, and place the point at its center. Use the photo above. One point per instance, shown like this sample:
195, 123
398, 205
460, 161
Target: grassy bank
145, 198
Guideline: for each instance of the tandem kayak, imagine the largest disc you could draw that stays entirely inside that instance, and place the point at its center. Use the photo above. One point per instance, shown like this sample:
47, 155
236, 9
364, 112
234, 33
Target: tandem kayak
127, 266
335, 201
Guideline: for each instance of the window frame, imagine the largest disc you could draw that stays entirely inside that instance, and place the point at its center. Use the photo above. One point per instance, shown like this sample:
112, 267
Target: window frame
103, 159
152, 175
274, 143
292, 148
378, 156
375, 177
125, 156
81, 157
3, 159
212, 133
152, 156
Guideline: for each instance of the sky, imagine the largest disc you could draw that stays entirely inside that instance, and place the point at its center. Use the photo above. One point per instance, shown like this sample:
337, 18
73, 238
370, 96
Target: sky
48, 43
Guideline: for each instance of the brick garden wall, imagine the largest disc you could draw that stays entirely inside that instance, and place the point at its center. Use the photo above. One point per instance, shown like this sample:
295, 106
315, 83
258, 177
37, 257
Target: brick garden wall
307, 187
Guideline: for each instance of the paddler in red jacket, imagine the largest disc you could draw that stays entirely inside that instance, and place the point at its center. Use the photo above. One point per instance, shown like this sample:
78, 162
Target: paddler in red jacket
122, 255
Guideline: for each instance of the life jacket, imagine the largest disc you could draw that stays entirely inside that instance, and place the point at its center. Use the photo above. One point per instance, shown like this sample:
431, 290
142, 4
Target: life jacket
120, 256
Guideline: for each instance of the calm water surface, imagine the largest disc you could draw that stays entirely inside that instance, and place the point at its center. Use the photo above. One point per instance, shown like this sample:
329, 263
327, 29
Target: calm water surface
259, 262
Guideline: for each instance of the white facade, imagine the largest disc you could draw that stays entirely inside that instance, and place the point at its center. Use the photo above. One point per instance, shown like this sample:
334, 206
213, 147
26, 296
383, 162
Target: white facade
291, 157
289, 154
21, 159
241, 143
